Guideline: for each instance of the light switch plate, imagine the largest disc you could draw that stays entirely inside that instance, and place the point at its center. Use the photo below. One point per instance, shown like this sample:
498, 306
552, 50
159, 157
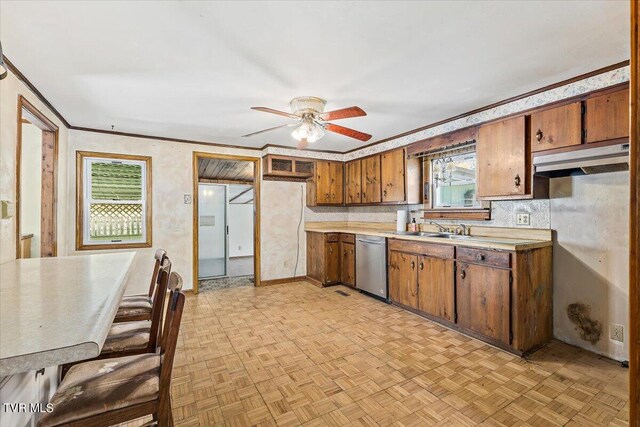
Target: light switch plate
523, 219
187, 199
8, 209
617, 332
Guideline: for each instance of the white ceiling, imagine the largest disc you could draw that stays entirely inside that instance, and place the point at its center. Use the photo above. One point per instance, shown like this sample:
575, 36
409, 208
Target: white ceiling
191, 70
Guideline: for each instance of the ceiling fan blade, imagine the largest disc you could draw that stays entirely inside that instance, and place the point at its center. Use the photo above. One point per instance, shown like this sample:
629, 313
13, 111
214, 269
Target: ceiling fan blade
303, 144
343, 113
272, 111
270, 129
351, 133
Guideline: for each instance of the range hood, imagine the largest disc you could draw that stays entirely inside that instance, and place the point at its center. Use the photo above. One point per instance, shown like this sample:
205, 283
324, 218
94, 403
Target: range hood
611, 158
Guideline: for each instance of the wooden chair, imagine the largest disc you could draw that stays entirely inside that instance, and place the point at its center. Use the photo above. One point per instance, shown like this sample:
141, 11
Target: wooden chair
131, 338
138, 307
112, 391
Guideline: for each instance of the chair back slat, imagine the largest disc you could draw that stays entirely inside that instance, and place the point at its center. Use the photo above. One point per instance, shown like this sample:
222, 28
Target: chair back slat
175, 285
159, 257
172, 322
158, 303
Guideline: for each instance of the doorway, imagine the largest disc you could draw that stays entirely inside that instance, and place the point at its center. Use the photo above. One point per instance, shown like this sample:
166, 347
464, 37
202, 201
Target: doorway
36, 171
226, 211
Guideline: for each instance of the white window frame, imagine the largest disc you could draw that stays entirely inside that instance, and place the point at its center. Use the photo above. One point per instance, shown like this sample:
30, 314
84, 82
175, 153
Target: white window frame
88, 159
434, 185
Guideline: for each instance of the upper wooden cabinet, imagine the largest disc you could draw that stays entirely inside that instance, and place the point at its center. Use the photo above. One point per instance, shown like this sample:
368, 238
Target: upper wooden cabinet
287, 167
607, 116
556, 127
392, 166
387, 178
353, 182
328, 182
371, 187
503, 159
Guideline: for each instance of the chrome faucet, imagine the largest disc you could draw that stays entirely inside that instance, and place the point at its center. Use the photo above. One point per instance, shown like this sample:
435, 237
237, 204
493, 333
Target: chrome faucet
462, 229
440, 227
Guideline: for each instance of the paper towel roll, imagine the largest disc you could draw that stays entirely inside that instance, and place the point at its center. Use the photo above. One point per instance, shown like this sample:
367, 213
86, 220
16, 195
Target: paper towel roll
401, 221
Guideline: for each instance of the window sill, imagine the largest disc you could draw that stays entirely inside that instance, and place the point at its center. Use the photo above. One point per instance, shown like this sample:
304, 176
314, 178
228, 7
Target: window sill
476, 214
90, 247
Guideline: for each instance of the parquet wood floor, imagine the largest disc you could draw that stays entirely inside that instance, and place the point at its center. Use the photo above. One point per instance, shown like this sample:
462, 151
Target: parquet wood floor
294, 354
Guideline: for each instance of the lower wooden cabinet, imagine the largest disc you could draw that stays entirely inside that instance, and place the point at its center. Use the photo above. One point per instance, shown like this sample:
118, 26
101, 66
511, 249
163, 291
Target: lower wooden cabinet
348, 253
435, 278
483, 301
501, 297
421, 277
403, 278
331, 258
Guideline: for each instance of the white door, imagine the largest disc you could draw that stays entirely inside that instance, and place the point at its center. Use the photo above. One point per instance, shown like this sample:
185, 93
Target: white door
213, 231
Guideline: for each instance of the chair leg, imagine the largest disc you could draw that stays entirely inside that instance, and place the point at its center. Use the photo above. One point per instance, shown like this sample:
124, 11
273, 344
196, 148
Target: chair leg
165, 414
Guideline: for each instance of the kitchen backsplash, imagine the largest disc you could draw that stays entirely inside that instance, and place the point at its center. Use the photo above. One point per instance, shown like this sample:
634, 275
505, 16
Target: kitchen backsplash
503, 214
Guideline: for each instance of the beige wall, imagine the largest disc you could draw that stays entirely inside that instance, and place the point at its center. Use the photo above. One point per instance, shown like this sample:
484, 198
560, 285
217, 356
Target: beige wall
283, 242
172, 218
590, 215
10, 89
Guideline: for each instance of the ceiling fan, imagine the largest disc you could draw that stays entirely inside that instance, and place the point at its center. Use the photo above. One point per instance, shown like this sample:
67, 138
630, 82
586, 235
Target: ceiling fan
312, 121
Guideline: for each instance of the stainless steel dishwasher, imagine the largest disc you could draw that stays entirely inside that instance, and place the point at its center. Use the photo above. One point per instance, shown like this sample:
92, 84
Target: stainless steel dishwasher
371, 265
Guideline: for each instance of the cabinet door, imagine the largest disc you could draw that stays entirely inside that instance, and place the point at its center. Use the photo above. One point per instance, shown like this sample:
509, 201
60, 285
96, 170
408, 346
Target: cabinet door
353, 182
482, 297
337, 183
323, 182
557, 127
502, 159
332, 262
607, 116
435, 279
403, 278
348, 264
392, 176
371, 190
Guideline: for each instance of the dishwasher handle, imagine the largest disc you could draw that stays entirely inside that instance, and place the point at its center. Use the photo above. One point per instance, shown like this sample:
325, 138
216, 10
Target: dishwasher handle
371, 242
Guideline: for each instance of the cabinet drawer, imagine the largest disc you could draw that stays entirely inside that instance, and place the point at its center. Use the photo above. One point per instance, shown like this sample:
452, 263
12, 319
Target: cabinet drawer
421, 248
484, 257
331, 237
348, 238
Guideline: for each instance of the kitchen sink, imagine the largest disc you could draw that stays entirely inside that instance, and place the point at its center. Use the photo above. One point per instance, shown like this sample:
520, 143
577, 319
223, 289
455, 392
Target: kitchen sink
437, 235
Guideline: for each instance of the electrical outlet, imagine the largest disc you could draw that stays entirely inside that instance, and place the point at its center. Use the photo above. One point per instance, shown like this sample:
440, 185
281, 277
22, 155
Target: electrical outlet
617, 332
522, 218
239, 247
187, 199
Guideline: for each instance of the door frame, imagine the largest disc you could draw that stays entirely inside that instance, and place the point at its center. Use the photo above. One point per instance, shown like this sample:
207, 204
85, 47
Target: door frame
634, 219
197, 155
50, 133
226, 225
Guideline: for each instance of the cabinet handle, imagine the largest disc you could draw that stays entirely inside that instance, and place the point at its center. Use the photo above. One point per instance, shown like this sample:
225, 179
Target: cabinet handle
384, 193
539, 136
480, 257
330, 249
326, 196
463, 274
333, 195
413, 265
422, 266
351, 251
516, 180
39, 372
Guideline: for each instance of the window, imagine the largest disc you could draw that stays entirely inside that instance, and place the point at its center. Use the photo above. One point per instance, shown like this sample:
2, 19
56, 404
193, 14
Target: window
114, 201
453, 180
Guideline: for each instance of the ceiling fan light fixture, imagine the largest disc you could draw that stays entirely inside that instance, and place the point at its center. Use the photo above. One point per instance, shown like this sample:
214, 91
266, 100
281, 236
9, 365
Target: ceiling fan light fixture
308, 130
3, 66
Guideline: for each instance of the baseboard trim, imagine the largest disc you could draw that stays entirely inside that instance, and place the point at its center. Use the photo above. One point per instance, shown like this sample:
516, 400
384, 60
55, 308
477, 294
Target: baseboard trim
283, 280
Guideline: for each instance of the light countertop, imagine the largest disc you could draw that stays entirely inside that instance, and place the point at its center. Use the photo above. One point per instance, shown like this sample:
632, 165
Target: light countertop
58, 310
484, 242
